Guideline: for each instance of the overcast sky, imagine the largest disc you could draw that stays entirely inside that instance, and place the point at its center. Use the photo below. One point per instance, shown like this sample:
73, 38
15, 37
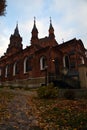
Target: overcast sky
69, 19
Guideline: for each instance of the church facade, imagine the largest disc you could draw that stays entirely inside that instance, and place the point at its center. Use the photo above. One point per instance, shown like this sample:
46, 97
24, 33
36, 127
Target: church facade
43, 61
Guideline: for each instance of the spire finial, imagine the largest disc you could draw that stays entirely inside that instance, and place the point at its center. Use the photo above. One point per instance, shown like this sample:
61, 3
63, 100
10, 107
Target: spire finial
16, 31
50, 21
51, 30
34, 20
17, 24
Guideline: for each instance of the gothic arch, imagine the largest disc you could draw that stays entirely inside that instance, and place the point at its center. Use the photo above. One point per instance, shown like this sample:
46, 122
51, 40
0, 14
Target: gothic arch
15, 68
25, 64
6, 71
0, 71
43, 62
82, 60
66, 61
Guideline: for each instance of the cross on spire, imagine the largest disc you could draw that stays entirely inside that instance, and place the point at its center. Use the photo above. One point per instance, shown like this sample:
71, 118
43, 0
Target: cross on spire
50, 21
34, 19
34, 27
17, 25
51, 29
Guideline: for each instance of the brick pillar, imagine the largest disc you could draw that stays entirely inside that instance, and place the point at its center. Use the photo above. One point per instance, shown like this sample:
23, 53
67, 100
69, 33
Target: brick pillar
83, 76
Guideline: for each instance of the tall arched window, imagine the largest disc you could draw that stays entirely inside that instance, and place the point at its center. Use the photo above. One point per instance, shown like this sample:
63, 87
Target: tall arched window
56, 62
66, 61
82, 60
0, 71
25, 64
43, 62
6, 71
15, 68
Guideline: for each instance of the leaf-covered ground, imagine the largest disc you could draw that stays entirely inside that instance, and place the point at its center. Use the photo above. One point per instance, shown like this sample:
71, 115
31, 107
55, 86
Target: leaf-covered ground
61, 114
17, 110
23, 110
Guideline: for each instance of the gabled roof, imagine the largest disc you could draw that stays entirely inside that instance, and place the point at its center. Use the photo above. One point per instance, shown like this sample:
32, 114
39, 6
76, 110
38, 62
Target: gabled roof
71, 42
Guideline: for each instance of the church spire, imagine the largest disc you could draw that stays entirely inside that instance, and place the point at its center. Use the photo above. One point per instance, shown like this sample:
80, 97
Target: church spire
51, 30
15, 42
50, 23
34, 32
34, 27
16, 31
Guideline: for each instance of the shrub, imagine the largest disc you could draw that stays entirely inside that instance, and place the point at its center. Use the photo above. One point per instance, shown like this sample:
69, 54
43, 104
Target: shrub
47, 91
1, 87
69, 94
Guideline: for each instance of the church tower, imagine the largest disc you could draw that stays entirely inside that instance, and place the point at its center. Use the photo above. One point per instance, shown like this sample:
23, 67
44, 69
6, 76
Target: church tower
15, 42
51, 31
34, 37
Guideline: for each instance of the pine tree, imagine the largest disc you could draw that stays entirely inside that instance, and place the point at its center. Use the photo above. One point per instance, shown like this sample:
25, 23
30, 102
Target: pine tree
2, 7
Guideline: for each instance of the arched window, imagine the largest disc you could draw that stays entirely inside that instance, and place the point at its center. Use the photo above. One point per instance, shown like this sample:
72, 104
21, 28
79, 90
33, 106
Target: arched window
43, 62
82, 60
0, 72
56, 62
27, 64
66, 61
6, 71
15, 68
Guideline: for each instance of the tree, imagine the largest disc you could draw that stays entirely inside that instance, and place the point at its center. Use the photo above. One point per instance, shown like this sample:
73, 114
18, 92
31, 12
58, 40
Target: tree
2, 7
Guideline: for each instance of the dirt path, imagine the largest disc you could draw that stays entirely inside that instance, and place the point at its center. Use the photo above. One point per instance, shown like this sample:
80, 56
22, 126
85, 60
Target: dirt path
20, 112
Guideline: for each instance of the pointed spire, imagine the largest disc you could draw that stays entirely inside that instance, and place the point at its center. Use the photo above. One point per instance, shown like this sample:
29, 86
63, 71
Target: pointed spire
51, 30
51, 27
50, 21
34, 21
34, 27
34, 32
16, 31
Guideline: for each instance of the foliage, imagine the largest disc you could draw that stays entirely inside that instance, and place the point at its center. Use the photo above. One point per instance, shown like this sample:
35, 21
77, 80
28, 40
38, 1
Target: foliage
47, 91
52, 114
1, 86
62, 84
61, 114
2, 7
69, 94
5, 98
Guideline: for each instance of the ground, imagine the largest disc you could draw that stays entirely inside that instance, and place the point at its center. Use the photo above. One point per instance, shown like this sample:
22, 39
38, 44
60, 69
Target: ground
23, 110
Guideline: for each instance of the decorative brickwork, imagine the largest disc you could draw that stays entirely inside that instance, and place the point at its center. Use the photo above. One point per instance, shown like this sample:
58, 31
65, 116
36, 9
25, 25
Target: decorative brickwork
43, 54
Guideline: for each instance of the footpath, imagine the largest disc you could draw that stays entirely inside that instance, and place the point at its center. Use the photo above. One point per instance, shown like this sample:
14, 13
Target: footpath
20, 111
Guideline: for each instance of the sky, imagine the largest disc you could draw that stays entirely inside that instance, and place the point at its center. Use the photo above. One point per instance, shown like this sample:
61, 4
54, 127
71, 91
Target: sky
69, 19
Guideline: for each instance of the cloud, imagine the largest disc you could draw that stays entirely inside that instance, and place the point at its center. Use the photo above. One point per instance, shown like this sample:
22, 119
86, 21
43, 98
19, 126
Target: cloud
3, 44
25, 29
71, 15
68, 18
24, 9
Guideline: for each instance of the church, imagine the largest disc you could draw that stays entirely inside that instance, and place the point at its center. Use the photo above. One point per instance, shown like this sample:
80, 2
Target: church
43, 61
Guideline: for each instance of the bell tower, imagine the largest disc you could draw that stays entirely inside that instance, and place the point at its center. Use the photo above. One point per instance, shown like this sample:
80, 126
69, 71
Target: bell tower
51, 30
34, 37
15, 42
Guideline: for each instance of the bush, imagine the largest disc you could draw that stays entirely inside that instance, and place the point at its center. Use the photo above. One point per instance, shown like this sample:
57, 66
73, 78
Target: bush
48, 91
69, 94
62, 84
1, 87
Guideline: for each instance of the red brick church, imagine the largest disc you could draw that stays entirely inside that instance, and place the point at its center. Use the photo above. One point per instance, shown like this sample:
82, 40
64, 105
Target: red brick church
44, 58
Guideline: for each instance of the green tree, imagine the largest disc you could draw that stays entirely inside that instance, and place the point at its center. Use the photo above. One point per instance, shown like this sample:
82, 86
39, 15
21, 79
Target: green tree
2, 7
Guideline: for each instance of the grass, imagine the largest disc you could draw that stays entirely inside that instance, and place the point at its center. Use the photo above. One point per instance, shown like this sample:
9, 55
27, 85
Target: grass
52, 114
61, 114
5, 99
